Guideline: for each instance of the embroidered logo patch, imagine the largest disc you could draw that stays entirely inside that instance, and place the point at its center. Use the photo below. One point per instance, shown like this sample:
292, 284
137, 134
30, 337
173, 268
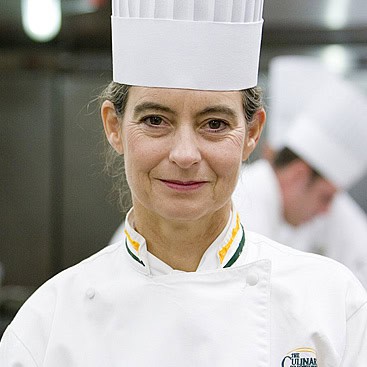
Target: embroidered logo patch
300, 357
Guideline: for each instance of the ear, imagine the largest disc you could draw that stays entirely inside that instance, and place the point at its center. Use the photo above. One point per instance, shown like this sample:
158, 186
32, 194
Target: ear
112, 126
254, 131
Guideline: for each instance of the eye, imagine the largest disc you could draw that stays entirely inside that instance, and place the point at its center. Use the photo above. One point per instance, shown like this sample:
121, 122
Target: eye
216, 125
153, 120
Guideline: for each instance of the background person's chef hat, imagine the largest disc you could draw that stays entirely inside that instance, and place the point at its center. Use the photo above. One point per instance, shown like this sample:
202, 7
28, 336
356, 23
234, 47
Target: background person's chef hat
191, 44
292, 82
331, 133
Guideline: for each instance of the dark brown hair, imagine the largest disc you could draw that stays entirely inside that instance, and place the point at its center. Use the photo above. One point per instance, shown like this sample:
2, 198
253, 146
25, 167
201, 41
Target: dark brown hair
286, 156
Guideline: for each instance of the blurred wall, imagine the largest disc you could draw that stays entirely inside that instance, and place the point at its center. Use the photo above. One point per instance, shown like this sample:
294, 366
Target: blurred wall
54, 194
25, 166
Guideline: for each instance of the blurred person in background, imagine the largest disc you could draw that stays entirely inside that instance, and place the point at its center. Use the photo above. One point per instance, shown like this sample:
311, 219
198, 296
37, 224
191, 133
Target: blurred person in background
188, 285
315, 151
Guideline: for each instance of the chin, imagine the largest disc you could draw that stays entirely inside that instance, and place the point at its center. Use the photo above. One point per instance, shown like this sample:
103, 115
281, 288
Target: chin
296, 223
304, 221
184, 213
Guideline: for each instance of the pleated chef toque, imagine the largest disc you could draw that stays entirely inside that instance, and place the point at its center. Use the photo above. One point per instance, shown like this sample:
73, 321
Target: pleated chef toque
292, 82
190, 44
330, 133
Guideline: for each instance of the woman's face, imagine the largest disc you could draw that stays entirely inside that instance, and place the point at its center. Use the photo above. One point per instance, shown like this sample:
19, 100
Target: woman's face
183, 150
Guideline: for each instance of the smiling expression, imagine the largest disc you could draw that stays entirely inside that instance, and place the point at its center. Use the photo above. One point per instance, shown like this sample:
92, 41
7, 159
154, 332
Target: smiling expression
183, 150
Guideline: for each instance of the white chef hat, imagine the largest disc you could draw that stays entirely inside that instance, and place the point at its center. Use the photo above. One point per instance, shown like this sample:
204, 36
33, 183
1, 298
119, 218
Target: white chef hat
191, 44
292, 82
331, 132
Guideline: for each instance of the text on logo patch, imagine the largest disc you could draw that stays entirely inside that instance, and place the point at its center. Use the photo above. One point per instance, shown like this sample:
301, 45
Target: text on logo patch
305, 357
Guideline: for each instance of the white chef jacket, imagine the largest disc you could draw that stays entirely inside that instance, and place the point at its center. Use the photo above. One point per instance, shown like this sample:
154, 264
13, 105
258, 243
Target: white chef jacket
251, 302
340, 234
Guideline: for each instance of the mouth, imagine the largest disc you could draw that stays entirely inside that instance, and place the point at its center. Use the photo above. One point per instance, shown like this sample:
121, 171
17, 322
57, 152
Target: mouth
183, 185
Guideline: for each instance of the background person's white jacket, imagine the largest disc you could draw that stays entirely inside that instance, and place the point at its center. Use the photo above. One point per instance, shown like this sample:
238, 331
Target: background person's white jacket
340, 234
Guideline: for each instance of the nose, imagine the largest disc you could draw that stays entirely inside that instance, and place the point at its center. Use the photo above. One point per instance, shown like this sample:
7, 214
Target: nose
185, 150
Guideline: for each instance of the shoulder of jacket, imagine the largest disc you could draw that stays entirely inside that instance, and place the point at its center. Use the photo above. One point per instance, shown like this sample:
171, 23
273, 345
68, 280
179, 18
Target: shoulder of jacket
14, 352
312, 270
35, 317
41, 304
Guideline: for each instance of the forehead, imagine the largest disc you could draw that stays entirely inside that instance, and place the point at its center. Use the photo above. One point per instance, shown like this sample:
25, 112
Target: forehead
177, 99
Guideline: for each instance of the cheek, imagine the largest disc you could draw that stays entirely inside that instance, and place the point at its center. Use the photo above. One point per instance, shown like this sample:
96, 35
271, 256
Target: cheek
226, 159
141, 155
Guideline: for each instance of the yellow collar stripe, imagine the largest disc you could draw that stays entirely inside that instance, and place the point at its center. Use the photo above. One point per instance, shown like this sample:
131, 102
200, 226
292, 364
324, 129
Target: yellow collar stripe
135, 244
223, 251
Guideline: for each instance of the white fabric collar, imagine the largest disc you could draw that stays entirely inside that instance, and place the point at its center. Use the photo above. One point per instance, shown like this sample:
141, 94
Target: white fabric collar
221, 253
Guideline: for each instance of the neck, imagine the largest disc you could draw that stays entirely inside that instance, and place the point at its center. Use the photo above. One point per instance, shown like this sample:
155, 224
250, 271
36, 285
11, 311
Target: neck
180, 244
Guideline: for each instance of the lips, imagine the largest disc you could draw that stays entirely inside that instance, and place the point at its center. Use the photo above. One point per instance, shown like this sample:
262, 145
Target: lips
183, 185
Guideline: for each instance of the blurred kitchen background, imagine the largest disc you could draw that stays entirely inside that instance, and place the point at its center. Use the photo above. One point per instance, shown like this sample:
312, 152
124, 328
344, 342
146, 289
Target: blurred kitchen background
55, 58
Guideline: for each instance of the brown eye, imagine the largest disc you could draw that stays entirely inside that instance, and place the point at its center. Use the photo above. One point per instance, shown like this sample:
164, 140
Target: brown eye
153, 120
216, 125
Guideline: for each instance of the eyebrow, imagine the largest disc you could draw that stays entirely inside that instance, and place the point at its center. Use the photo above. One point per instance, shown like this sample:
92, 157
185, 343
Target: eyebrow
142, 107
224, 110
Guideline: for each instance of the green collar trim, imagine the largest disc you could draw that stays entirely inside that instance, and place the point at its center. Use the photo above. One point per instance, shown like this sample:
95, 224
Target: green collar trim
231, 261
132, 255
238, 252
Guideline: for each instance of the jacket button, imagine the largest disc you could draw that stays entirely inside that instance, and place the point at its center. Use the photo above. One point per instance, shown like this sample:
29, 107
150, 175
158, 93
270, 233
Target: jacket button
252, 279
90, 293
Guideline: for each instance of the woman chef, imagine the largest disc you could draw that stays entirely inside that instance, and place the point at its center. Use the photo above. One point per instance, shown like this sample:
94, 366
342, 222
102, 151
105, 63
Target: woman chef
188, 285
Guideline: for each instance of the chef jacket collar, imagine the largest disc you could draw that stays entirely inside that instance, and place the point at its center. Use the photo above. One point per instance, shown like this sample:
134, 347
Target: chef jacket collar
222, 253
